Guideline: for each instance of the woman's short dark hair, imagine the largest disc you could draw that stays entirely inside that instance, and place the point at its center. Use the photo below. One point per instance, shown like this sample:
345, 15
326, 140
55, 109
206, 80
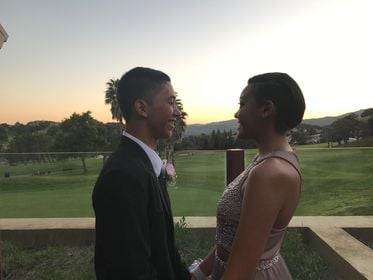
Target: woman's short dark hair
138, 83
286, 95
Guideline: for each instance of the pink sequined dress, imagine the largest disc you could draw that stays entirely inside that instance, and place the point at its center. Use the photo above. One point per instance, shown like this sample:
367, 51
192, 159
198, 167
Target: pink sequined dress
271, 265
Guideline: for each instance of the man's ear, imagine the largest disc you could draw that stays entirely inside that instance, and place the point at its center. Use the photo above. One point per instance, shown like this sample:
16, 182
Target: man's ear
268, 109
141, 108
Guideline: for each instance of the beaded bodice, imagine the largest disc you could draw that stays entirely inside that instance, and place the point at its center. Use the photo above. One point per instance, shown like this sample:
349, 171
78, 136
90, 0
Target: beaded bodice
229, 206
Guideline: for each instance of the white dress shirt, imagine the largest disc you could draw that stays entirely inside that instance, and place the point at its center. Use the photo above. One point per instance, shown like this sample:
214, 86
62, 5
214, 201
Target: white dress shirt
152, 155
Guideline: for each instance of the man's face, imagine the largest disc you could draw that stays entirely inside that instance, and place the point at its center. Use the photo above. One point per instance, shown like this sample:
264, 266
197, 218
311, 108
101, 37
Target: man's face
163, 112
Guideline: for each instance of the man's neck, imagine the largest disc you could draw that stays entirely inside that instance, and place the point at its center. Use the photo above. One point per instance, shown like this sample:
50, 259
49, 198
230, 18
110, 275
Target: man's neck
142, 134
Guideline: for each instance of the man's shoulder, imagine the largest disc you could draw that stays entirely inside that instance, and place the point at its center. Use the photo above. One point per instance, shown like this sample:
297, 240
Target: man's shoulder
129, 159
125, 171
126, 160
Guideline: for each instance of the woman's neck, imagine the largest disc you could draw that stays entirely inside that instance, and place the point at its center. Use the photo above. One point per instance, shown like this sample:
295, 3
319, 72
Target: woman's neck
274, 142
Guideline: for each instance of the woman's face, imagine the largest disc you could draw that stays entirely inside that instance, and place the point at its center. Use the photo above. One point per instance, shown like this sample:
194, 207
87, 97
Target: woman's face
248, 115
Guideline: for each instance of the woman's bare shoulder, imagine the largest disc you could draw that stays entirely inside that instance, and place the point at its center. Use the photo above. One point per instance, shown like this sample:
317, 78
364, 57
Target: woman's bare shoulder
273, 173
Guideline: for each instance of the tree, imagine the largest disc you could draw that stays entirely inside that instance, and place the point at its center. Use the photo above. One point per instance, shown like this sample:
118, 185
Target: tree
3, 136
111, 98
80, 133
112, 136
31, 144
298, 136
303, 133
34, 126
367, 119
346, 127
228, 140
367, 113
17, 128
327, 135
216, 140
369, 127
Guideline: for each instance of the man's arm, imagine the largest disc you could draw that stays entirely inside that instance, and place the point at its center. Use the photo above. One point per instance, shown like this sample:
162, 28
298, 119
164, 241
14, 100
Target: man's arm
183, 273
122, 226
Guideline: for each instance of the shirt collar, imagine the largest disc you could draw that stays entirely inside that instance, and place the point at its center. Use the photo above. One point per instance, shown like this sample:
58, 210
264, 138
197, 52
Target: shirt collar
152, 155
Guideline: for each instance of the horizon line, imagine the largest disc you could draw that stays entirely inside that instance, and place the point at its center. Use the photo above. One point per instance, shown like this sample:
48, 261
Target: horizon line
197, 123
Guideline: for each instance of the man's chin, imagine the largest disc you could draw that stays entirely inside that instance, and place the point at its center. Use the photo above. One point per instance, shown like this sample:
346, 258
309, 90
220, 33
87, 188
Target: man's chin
166, 135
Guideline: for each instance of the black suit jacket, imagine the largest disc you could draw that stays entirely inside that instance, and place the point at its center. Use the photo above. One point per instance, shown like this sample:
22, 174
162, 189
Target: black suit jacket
134, 225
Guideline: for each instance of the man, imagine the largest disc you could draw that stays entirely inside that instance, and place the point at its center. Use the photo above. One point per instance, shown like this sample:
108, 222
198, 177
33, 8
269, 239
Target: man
134, 225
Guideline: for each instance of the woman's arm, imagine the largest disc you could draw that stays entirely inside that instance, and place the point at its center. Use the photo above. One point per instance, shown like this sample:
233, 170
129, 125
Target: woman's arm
207, 264
265, 191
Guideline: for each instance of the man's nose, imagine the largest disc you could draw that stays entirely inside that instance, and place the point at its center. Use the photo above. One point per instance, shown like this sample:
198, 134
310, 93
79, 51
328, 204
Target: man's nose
177, 111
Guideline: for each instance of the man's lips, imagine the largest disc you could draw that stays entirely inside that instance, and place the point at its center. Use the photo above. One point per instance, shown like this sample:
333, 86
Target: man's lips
172, 122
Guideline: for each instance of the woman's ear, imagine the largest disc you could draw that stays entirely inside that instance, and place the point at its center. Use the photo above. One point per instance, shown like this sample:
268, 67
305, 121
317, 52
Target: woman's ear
268, 109
140, 108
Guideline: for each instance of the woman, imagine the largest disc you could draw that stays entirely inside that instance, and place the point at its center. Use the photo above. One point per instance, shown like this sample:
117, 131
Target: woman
256, 208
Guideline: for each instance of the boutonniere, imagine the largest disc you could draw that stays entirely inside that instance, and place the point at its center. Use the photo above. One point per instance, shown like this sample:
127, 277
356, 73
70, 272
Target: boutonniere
170, 172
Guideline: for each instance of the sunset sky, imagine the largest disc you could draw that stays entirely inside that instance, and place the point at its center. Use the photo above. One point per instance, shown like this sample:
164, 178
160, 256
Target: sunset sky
60, 54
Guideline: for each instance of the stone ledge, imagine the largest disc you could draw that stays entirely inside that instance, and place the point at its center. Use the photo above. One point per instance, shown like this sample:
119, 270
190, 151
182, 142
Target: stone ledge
297, 221
351, 258
46, 223
192, 222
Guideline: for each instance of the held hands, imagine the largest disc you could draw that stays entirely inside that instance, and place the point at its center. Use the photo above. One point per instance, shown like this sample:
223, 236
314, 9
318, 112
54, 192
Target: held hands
196, 272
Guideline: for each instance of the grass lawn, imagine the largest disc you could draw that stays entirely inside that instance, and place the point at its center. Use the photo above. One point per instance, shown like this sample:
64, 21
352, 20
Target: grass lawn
335, 182
64, 262
47, 196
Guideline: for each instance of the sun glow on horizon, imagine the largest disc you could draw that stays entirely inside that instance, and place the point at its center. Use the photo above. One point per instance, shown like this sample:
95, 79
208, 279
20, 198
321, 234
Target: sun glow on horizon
48, 75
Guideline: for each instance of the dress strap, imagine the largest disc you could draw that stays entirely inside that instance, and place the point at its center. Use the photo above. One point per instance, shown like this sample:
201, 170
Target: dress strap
288, 156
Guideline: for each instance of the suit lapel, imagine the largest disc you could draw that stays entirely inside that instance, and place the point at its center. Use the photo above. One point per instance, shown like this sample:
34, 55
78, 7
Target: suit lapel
138, 152
163, 193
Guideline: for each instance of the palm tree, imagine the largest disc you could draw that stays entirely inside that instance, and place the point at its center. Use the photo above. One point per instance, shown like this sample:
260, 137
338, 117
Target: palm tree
180, 123
111, 99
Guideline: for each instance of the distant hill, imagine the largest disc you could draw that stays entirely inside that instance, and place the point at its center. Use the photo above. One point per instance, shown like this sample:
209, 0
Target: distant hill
197, 129
329, 120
